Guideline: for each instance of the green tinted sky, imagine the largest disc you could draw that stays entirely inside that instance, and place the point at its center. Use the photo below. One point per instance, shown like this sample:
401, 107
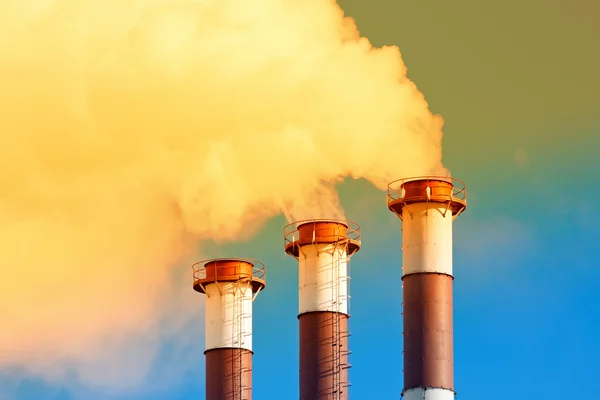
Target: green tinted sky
505, 75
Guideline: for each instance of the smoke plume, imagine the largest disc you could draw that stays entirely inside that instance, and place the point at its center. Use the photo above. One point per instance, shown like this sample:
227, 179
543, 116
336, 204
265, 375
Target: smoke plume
131, 130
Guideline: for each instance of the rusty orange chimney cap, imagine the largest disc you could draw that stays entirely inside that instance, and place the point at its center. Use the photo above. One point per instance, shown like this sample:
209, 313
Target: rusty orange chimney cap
229, 270
321, 231
427, 189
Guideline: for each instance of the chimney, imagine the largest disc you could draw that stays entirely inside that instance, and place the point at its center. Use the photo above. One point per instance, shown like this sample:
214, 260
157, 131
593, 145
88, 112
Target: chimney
230, 286
323, 249
427, 206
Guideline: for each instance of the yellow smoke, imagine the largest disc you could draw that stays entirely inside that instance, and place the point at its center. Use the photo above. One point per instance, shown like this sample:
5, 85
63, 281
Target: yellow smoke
130, 130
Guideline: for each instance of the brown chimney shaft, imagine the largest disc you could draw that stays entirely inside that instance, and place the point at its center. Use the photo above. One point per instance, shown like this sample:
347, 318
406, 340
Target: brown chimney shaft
230, 286
323, 249
427, 207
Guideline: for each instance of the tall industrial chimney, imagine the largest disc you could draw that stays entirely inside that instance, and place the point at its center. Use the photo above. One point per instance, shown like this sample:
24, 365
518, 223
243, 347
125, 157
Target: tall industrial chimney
323, 249
230, 285
427, 206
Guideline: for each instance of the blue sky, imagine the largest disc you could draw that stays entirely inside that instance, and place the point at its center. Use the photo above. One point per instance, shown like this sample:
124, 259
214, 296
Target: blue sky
525, 307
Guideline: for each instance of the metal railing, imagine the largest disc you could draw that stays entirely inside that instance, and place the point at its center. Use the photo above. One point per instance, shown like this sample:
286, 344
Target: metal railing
395, 190
291, 232
259, 270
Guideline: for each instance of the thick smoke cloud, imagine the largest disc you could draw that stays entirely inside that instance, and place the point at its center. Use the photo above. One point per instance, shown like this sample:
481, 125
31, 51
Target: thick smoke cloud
131, 130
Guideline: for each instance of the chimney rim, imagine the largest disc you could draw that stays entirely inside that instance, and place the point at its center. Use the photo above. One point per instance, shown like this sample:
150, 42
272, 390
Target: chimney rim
349, 235
427, 189
249, 270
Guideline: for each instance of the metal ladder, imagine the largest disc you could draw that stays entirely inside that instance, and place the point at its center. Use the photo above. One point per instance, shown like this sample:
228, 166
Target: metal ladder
337, 391
237, 362
245, 390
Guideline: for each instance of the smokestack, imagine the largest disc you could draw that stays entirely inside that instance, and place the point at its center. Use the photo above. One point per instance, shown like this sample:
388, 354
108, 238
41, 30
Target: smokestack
323, 249
427, 206
230, 285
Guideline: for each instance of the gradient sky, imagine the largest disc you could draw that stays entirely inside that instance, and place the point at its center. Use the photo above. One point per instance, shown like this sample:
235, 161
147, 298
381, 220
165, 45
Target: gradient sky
517, 84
